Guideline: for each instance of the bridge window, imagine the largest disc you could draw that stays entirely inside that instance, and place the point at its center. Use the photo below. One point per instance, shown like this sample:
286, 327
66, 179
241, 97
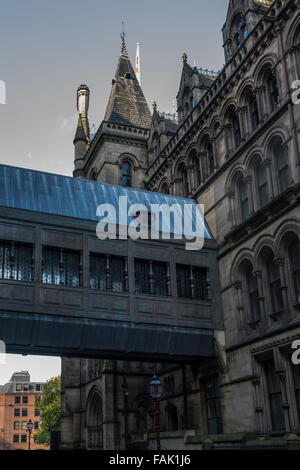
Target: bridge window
16, 261
61, 267
108, 273
152, 278
193, 282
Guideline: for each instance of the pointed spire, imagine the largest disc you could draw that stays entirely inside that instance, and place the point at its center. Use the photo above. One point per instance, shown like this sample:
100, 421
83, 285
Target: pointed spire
127, 104
123, 44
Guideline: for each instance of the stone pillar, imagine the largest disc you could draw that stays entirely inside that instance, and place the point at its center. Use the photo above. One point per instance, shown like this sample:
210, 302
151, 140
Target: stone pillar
71, 425
109, 442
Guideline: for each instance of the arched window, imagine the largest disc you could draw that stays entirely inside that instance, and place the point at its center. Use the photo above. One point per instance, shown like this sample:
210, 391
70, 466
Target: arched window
272, 88
283, 166
244, 200
274, 284
253, 108
126, 174
240, 31
262, 184
94, 421
253, 295
295, 264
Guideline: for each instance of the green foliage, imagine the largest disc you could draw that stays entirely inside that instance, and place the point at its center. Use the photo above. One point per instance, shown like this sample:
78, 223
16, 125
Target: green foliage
49, 406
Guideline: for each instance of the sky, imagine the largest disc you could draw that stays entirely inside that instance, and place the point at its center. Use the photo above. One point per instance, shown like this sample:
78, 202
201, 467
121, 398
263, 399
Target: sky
48, 48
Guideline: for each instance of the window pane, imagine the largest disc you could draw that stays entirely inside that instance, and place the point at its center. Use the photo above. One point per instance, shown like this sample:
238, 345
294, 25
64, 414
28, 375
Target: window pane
275, 397
296, 373
23, 263
244, 200
51, 258
275, 286
142, 283
283, 167
117, 274
71, 269
295, 262
4, 261
202, 284
183, 282
213, 406
262, 185
159, 279
253, 296
97, 272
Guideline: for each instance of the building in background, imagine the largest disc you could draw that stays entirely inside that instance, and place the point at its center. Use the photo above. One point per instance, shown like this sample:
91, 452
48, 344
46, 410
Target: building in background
17, 406
233, 145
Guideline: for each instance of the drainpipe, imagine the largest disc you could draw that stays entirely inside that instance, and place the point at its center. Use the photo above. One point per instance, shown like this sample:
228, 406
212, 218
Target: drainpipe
290, 104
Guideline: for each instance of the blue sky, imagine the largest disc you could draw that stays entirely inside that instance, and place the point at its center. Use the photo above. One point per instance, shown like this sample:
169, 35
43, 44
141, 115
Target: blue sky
48, 48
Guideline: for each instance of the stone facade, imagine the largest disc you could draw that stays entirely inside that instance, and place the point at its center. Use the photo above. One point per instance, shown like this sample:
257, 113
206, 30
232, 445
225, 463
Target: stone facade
234, 147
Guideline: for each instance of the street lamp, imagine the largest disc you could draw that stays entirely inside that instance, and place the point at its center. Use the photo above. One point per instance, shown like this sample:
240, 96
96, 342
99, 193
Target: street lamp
156, 393
29, 428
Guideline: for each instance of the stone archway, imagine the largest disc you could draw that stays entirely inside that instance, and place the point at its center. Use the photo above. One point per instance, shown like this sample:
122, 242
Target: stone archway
94, 420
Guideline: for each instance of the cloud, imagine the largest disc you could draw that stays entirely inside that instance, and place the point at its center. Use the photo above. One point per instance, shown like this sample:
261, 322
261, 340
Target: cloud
67, 124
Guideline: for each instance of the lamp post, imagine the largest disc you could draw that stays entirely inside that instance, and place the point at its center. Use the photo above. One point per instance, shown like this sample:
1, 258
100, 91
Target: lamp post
156, 393
29, 428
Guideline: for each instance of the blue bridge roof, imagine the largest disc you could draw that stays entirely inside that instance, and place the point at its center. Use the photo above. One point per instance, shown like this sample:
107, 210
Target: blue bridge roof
49, 193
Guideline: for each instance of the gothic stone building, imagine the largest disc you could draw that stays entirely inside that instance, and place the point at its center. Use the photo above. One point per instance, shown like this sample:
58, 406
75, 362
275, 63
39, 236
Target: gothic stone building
234, 147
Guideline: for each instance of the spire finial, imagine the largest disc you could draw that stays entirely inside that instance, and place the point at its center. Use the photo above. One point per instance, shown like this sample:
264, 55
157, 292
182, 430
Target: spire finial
154, 105
184, 58
123, 45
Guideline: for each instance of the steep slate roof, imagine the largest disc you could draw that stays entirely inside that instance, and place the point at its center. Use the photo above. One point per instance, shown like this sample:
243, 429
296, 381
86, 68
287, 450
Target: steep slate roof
74, 197
127, 104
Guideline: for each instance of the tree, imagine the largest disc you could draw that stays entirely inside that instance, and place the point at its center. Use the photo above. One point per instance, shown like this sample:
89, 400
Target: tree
49, 406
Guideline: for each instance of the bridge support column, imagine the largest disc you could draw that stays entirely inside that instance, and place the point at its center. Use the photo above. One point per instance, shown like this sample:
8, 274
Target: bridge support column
71, 426
109, 411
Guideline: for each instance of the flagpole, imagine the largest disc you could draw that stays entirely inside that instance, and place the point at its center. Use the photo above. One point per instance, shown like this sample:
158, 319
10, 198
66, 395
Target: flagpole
138, 63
